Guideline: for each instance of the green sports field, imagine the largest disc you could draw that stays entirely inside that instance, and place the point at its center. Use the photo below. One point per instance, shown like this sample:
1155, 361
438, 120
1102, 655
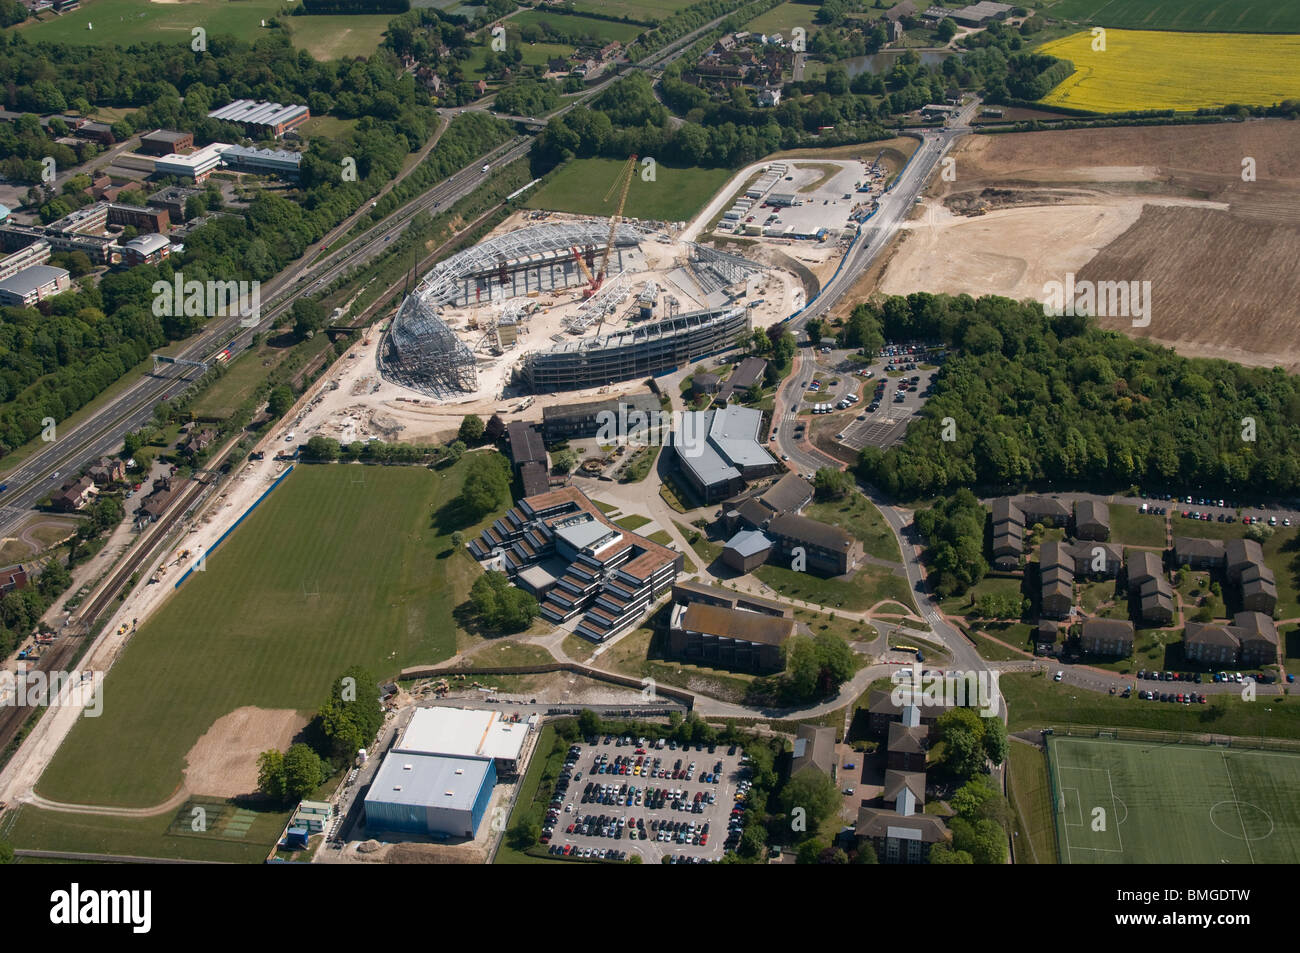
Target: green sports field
341, 565
1213, 16
1121, 802
124, 22
675, 195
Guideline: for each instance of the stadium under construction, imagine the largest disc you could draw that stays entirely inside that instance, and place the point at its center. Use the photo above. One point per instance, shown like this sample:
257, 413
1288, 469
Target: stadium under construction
567, 305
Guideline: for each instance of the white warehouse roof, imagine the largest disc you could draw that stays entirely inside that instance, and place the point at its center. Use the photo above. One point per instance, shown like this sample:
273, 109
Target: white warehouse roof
463, 733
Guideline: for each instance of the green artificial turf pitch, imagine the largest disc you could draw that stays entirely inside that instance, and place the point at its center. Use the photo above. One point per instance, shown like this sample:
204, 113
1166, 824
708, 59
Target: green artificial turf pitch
1120, 802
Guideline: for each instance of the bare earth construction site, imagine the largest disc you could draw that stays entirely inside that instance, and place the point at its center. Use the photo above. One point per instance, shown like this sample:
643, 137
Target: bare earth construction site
572, 304
1026, 209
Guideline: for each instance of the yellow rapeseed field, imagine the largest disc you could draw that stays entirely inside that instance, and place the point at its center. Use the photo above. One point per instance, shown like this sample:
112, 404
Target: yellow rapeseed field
1147, 69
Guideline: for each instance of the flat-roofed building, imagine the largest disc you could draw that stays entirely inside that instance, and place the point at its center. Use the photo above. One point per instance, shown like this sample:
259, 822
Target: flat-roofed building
429, 794
163, 142
466, 733
142, 218
34, 284
728, 638
718, 451
173, 199
196, 166
280, 162
688, 592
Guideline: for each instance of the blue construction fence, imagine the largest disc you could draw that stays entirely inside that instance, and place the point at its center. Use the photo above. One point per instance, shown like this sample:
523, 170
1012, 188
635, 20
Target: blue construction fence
233, 526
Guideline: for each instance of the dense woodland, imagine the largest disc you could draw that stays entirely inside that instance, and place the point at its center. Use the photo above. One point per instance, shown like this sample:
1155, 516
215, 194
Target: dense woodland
1056, 402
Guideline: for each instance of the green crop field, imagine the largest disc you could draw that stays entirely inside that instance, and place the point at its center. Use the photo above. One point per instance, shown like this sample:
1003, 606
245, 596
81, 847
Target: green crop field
606, 31
675, 195
124, 22
341, 565
1121, 802
1221, 16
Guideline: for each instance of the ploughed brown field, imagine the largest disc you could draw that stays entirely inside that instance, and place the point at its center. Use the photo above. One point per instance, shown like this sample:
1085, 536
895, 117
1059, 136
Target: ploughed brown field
1165, 204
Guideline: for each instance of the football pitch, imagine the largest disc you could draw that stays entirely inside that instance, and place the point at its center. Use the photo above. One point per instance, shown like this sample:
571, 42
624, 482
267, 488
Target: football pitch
1120, 802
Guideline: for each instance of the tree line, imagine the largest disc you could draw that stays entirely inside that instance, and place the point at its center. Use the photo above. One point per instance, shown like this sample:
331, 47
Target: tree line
1055, 401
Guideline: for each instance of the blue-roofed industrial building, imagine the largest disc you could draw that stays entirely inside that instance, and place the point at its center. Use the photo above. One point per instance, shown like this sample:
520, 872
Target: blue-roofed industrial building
415, 793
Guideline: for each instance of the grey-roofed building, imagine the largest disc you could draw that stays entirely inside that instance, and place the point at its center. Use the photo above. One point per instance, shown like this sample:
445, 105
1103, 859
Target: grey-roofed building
1258, 590
1211, 643
718, 451
1091, 519
1198, 553
825, 548
1097, 559
1250, 639
1155, 600
977, 14
1239, 555
1143, 566
429, 794
747, 550
1056, 572
1043, 509
34, 284
704, 383
747, 373
897, 782
262, 161
814, 747
901, 838
906, 744
790, 494
569, 421
883, 708
1112, 637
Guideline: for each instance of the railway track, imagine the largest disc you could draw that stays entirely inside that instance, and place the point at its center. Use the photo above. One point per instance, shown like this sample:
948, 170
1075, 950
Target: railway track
59, 656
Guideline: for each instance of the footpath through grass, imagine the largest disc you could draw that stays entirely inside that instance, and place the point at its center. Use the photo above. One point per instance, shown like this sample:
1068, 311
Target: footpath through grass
328, 572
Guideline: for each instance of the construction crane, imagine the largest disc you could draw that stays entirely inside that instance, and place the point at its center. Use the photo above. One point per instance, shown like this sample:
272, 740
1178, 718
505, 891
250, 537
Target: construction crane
582, 266
622, 184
